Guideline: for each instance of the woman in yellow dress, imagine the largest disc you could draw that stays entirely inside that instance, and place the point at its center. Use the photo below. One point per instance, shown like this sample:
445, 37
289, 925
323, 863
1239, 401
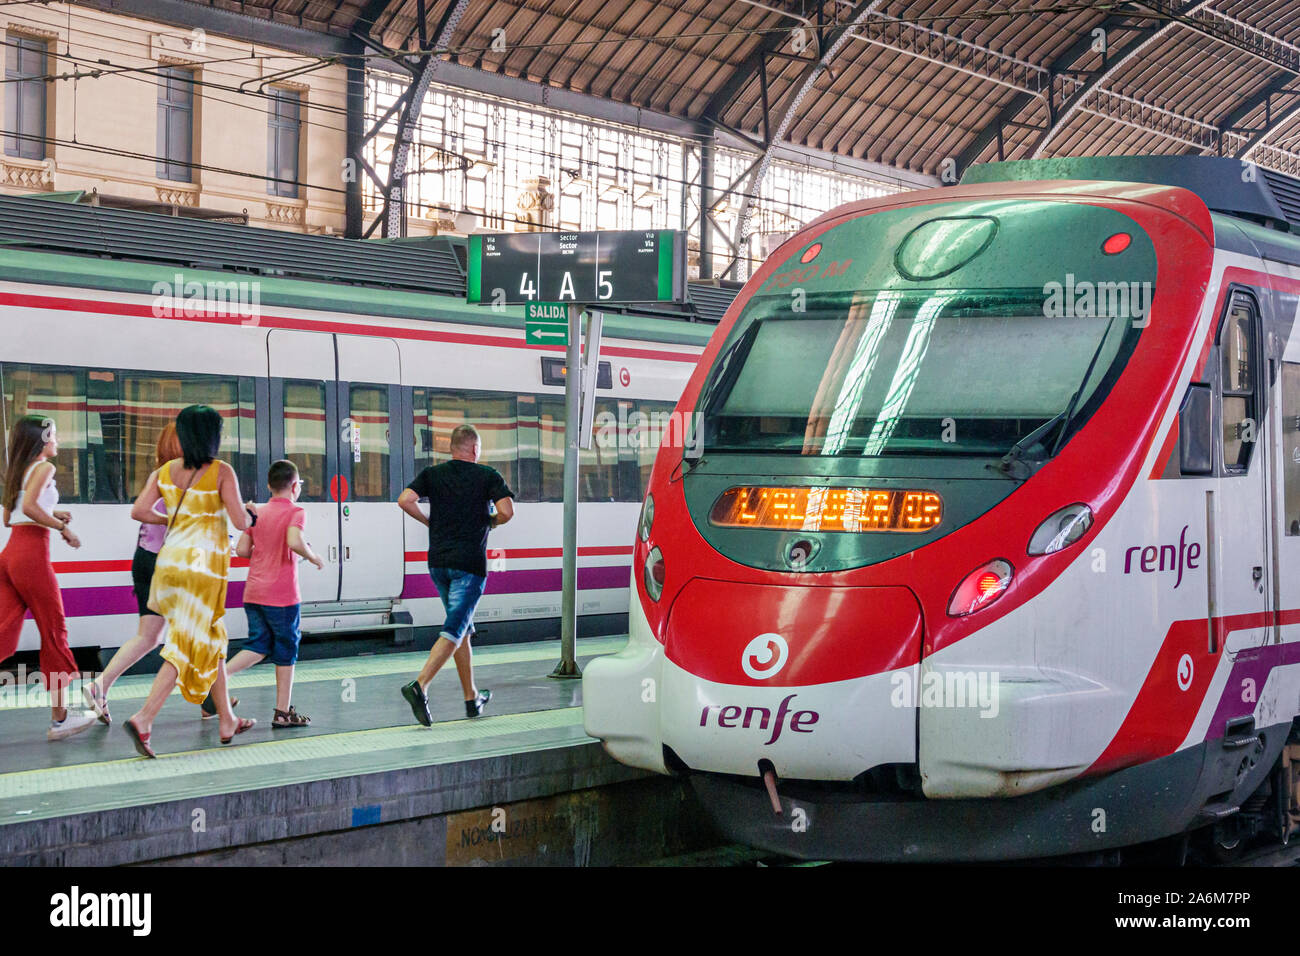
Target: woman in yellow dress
189, 580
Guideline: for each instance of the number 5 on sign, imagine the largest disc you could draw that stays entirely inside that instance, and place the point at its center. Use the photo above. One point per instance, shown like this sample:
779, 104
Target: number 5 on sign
605, 290
526, 287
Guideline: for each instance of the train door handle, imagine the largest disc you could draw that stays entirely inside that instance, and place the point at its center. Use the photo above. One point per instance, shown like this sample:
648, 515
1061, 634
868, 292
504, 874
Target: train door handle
1257, 575
334, 553
347, 554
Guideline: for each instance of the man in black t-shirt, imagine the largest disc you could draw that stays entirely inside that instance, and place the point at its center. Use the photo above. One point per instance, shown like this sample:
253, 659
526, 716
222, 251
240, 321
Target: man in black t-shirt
461, 494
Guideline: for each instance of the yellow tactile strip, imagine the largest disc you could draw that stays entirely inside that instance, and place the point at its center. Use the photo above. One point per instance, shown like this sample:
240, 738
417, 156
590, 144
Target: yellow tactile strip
334, 669
281, 754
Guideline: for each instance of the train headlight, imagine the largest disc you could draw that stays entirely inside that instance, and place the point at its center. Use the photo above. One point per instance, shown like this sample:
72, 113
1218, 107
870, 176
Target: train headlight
1061, 529
654, 574
647, 517
980, 588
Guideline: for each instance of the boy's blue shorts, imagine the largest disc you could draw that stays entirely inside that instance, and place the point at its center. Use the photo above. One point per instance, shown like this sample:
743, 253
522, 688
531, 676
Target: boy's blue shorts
274, 632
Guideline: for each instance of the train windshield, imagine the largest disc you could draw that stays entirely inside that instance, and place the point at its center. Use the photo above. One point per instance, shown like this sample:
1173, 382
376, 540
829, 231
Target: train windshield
917, 372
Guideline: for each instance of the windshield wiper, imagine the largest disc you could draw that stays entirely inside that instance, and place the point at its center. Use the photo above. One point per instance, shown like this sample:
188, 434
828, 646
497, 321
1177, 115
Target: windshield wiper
1014, 463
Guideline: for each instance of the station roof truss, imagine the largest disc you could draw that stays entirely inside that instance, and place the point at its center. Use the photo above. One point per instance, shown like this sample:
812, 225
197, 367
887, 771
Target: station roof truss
930, 87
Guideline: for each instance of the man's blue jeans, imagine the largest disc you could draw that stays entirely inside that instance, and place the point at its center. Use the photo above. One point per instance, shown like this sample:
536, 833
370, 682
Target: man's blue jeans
460, 592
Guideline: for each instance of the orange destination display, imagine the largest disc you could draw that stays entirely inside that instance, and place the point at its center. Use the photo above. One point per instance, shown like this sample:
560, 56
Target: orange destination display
828, 509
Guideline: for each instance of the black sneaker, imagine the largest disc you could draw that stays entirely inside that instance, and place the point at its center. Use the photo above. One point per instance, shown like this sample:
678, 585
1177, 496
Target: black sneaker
474, 708
418, 701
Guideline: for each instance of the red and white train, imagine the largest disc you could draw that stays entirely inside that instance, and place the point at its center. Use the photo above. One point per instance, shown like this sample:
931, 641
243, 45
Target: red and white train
988, 546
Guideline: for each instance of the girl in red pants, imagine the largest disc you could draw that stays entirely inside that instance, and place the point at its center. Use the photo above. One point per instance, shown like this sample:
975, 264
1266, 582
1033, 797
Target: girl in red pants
27, 580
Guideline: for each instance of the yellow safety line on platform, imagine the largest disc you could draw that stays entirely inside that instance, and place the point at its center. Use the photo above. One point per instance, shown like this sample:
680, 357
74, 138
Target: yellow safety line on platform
278, 753
136, 687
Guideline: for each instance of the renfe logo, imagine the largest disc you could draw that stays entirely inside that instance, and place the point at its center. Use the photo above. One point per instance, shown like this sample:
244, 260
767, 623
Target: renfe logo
728, 716
759, 661
1165, 557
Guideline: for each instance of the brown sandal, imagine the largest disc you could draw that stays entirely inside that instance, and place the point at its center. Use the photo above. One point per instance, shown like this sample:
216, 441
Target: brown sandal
245, 723
141, 740
290, 718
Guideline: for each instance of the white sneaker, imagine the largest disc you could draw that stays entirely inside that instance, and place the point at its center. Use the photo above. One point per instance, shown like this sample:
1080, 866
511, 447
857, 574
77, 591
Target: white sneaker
73, 723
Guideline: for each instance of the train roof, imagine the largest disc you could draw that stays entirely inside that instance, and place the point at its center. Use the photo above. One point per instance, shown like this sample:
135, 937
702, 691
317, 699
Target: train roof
70, 244
1232, 187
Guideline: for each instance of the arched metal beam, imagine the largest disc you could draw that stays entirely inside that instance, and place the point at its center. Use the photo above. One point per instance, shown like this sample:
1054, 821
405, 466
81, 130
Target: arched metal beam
836, 40
1073, 104
1229, 125
358, 43
744, 74
992, 131
1262, 136
394, 200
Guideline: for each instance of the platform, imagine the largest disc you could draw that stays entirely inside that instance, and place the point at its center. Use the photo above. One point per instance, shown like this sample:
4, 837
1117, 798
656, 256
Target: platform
524, 783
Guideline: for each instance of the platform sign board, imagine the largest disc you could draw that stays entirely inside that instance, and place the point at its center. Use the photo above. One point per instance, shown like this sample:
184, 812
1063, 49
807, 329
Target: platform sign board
546, 323
589, 268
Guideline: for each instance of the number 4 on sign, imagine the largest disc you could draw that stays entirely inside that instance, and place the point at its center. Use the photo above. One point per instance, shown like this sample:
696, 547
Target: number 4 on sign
526, 287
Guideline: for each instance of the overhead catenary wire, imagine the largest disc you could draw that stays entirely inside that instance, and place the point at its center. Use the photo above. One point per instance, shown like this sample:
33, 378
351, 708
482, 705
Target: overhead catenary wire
127, 73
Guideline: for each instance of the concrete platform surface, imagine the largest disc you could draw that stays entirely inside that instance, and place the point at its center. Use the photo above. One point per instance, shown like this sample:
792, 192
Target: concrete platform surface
363, 760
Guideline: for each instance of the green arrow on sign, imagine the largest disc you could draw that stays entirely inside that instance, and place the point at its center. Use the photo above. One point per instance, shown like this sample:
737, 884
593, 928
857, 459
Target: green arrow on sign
546, 323
546, 333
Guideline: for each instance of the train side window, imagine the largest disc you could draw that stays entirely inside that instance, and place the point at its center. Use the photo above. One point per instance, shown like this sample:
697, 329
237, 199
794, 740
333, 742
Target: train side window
550, 447
60, 394
530, 466
304, 436
1237, 385
368, 444
1291, 447
496, 417
598, 466
104, 421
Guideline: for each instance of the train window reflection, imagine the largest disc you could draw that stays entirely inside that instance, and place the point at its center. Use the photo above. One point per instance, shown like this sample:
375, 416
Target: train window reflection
1291, 446
940, 372
59, 394
367, 442
437, 413
304, 436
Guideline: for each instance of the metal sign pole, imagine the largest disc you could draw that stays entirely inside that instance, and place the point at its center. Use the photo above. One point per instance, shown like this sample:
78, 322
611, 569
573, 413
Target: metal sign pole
568, 666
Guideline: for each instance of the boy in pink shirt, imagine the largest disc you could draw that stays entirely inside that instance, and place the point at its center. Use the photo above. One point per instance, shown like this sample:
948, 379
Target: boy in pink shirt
272, 599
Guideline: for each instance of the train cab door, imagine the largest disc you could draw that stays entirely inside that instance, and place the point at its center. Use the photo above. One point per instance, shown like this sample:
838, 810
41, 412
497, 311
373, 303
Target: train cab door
369, 396
304, 428
1241, 536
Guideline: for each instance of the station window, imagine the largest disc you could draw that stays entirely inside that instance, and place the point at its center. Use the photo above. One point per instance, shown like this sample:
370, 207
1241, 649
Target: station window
25, 97
282, 142
1237, 352
176, 124
304, 436
368, 442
